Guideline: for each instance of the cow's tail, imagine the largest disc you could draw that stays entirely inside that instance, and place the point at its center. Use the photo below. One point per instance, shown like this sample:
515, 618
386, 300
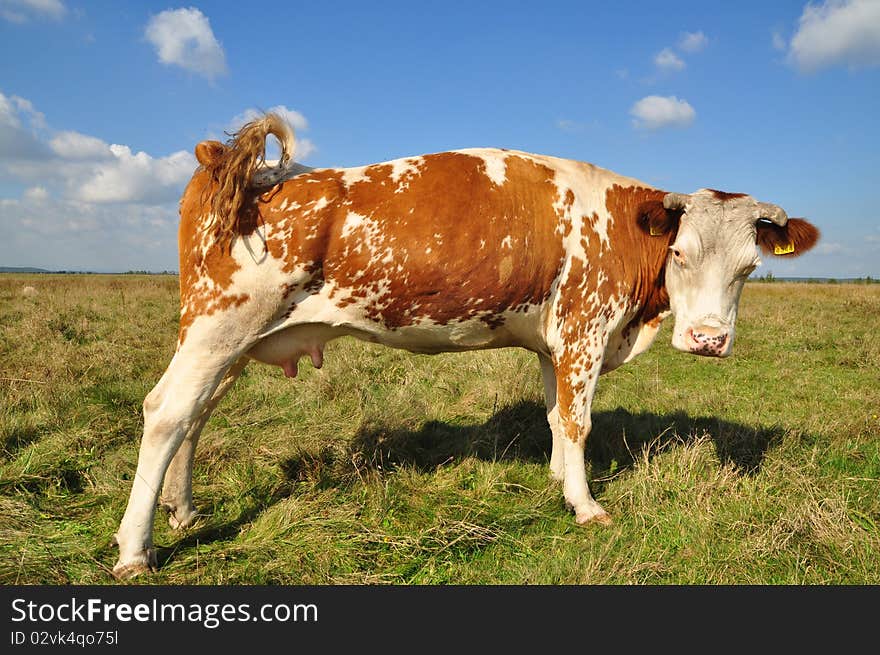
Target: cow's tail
233, 166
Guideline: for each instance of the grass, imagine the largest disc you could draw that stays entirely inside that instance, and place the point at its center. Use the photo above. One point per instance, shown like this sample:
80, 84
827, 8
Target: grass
391, 468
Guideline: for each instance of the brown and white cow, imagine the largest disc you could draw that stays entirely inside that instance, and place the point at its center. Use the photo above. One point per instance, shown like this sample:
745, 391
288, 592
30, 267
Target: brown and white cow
452, 251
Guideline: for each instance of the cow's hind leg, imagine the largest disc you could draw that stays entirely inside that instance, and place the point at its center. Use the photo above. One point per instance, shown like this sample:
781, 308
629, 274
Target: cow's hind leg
575, 384
171, 410
176, 496
557, 461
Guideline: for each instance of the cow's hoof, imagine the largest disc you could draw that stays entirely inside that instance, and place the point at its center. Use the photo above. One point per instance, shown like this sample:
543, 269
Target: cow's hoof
180, 519
602, 518
143, 563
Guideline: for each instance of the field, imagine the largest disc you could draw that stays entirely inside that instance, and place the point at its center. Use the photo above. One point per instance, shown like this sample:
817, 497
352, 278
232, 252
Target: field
386, 467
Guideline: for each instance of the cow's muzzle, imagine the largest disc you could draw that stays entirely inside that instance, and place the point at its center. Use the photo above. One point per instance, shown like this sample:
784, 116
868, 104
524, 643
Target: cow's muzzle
708, 340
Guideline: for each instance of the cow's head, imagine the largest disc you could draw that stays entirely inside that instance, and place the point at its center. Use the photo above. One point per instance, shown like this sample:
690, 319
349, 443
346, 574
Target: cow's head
712, 252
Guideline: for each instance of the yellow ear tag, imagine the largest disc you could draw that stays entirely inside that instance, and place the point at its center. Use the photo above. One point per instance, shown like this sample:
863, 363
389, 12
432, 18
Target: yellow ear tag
654, 231
788, 248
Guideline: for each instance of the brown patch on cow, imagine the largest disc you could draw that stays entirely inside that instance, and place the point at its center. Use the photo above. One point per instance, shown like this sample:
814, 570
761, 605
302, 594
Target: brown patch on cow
655, 219
301, 222
413, 256
641, 269
724, 196
797, 235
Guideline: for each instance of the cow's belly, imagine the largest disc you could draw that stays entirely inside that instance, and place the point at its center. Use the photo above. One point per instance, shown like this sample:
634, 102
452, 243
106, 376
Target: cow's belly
317, 322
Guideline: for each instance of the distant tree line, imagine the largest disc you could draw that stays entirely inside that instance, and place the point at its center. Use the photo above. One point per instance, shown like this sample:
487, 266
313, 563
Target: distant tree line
769, 277
150, 273
65, 272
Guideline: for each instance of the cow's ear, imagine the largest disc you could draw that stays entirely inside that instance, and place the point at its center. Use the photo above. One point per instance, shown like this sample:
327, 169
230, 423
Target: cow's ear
208, 152
794, 238
656, 220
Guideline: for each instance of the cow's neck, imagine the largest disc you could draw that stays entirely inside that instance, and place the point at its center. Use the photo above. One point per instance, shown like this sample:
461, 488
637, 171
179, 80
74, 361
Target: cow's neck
642, 272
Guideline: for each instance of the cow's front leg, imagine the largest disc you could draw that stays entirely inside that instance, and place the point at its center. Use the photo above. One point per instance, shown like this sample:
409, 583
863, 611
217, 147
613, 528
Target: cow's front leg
576, 378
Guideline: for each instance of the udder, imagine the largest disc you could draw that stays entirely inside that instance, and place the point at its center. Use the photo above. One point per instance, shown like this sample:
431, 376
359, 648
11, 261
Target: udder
290, 365
287, 347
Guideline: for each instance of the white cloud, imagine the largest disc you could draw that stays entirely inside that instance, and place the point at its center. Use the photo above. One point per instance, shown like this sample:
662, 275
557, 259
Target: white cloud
304, 147
119, 176
13, 109
570, 126
81, 202
666, 60
137, 177
826, 248
837, 32
35, 118
183, 37
35, 194
655, 112
19, 125
75, 166
73, 145
8, 112
73, 235
693, 41
20, 11
779, 42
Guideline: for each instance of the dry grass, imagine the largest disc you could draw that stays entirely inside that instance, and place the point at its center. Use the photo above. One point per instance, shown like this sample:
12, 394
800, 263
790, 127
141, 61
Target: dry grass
386, 467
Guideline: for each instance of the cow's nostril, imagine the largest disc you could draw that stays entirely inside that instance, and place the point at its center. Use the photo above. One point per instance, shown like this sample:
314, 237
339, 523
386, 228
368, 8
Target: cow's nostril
707, 341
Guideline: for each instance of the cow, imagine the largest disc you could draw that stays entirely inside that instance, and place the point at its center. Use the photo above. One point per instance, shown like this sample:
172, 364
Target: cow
452, 251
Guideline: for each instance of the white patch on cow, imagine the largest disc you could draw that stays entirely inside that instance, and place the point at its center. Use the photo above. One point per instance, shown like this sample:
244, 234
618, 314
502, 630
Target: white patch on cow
353, 221
319, 204
352, 176
589, 185
496, 170
401, 167
494, 165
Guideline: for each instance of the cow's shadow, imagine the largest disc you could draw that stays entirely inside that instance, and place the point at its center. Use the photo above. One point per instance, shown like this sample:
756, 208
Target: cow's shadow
518, 432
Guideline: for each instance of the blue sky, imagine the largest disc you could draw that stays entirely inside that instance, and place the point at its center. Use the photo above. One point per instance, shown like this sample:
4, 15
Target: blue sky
102, 103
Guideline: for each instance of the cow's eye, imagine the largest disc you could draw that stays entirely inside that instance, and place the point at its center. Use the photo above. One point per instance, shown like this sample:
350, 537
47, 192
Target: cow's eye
677, 255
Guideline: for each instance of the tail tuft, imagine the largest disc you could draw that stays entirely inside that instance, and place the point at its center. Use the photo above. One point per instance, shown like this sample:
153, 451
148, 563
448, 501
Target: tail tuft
232, 170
